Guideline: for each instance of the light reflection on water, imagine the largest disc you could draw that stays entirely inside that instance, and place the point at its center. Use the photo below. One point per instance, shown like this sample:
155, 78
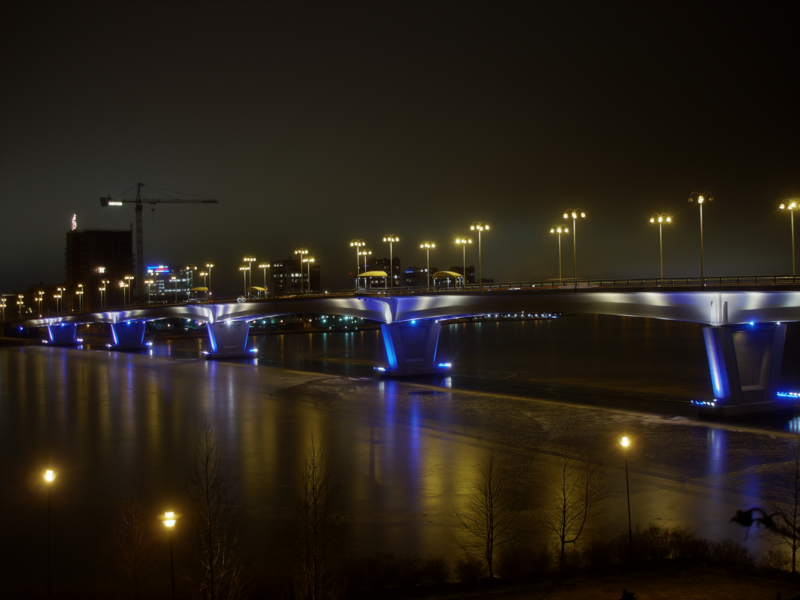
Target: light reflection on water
405, 456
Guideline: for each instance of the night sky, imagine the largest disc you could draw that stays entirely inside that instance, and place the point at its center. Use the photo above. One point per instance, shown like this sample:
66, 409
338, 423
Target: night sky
314, 124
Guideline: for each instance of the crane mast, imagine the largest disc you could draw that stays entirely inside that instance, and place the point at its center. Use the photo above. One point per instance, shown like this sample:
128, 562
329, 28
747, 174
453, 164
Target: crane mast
140, 202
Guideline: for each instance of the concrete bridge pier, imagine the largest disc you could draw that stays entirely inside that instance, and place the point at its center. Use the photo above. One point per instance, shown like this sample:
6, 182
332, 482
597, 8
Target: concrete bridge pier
745, 364
228, 339
63, 334
128, 335
411, 347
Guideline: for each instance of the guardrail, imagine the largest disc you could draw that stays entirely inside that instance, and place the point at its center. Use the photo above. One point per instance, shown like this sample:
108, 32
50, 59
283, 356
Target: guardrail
748, 281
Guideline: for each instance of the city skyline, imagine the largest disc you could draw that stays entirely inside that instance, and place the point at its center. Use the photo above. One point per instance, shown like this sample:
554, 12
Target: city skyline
315, 124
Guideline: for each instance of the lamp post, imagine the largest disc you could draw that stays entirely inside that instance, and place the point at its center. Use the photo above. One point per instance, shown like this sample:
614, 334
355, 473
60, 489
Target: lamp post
264, 266
244, 276
625, 443
20, 304
79, 293
148, 282
3, 307
480, 226
365, 253
559, 229
39, 300
391, 239
169, 519
791, 205
209, 266
129, 279
574, 213
357, 244
463, 242
701, 198
60, 291
427, 247
104, 293
661, 219
301, 253
308, 261
49, 477
249, 260
175, 287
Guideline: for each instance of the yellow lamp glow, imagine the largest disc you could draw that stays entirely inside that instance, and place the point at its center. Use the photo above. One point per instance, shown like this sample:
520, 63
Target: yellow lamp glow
625, 442
49, 476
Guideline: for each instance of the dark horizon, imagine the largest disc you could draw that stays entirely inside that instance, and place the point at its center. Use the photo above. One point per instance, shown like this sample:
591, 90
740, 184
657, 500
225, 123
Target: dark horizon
314, 124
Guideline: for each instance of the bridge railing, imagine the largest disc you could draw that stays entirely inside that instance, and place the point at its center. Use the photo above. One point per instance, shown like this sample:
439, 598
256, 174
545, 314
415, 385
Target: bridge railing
748, 281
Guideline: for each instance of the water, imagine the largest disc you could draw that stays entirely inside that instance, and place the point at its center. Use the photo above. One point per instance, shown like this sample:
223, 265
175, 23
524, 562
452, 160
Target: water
405, 452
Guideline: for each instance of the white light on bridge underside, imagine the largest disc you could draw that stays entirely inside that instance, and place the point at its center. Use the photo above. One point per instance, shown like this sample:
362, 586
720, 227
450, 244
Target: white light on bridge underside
380, 369
114, 203
445, 365
78, 339
704, 402
148, 343
205, 352
44, 341
253, 350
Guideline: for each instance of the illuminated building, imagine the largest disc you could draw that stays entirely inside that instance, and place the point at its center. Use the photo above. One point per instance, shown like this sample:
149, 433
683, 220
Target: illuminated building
286, 277
417, 276
170, 284
94, 255
382, 264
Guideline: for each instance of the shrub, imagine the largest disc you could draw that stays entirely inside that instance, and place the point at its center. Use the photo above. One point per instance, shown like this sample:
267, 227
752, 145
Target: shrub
435, 570
730, 552
599, 555
683, 543
651, 543
776, 559
470, 569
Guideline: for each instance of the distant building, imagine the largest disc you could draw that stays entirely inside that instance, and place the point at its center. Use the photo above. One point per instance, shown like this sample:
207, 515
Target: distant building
288, 274
382, 264
417, 276
470, 273
91, 257
170, 284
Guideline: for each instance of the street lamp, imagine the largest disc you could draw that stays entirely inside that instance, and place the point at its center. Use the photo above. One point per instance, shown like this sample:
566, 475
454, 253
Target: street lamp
169, 519
701, 198
463, 242
20, 304
148, 282
308, 260
300, 254
175, 279
625, 443
39, 300
103, 293
480, 226
79, 293
574, 213
357, 244
244, 275
128, 279
263, 266
391, 239
559, 229
791, 205
249, 260
49, 478
427, 246
209, 266
661, 219
3, 307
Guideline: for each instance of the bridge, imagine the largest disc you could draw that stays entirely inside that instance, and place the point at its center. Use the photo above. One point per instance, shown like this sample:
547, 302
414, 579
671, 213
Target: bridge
745, 321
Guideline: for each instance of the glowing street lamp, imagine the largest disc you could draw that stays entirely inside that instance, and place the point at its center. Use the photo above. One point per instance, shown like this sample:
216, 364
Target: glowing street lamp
20, 304
3, 307
169, 519
480, 226
79, 293
244, 275
38, 299
209, 266
463, 242
263, 266
357, 244
427, 247
128, 280
391, 239
123, 285
302, 252
559, 229
148, 282
249, 260
49, 478
574, 213
701, 198
661, 219
625, 443
791, 205
103, 291
308, 260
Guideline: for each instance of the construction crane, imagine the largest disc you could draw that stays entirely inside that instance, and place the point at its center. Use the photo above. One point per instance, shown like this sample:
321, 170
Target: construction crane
139, 202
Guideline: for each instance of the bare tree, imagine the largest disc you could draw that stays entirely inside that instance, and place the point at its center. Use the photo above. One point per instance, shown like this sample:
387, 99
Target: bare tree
318, 531
215, 563
577, 493
494, 511
782, 495
131, 549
